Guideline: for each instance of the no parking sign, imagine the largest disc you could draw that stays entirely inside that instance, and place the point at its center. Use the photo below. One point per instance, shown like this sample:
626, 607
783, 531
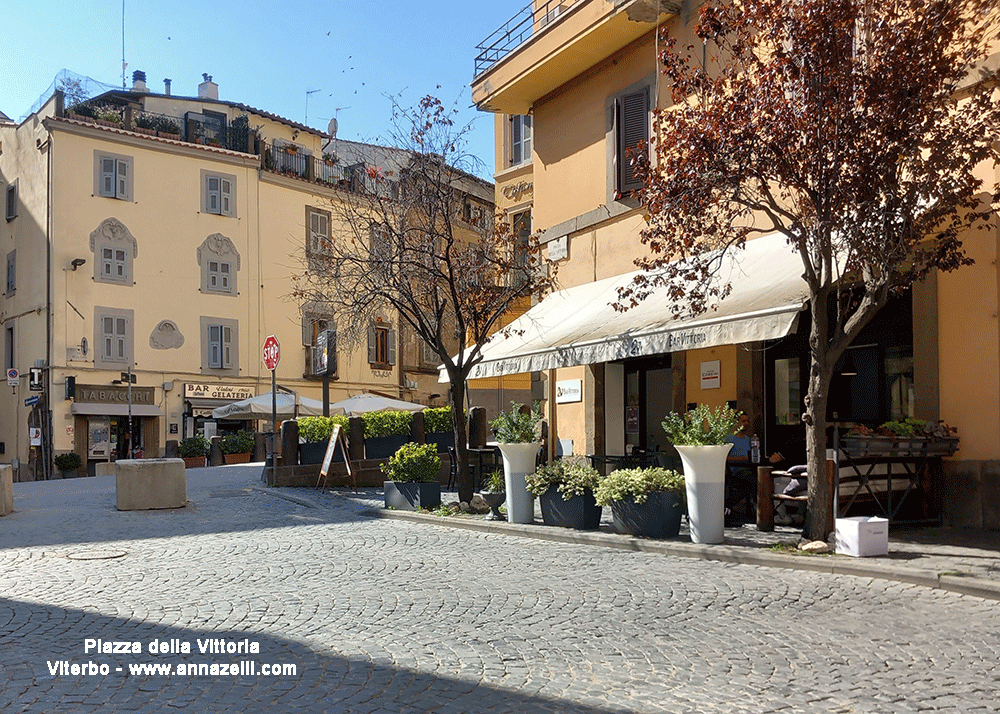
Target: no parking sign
13, 377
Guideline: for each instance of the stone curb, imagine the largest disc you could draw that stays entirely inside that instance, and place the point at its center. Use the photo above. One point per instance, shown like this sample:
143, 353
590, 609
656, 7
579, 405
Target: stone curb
305, 502
965, 585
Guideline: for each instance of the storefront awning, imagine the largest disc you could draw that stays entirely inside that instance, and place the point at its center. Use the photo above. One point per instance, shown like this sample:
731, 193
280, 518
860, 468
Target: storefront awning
138, 410
579, 325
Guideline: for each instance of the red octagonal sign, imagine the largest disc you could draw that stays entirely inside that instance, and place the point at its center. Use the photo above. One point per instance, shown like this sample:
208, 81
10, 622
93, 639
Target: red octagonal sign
272, 352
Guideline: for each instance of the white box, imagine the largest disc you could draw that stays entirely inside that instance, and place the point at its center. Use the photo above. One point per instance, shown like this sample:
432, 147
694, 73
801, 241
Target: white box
863, 536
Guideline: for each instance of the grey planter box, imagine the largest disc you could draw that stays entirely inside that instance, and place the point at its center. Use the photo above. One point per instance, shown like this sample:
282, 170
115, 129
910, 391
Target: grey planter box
658, 517
404, 496
443, 439
579, 512
312, 452
382, 447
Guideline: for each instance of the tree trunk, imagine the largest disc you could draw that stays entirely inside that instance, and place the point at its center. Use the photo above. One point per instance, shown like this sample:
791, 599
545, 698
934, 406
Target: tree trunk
466, 485
818, 524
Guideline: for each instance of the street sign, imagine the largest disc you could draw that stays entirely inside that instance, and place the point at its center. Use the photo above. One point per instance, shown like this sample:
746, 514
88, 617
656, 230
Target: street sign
272, 352
31, 401
13, 377
35, 379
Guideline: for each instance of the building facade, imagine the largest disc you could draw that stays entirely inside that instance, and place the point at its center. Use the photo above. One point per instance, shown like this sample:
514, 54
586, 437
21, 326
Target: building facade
572, 85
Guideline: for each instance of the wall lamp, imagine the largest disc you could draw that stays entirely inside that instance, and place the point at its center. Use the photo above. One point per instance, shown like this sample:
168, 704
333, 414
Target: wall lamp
77, 262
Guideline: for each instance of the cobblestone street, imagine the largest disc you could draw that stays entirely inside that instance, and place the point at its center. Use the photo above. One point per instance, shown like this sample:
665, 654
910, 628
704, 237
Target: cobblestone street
384, 615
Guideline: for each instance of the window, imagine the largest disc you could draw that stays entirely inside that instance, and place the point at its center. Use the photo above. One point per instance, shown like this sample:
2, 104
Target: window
381, 346
113, 334
113, 175
220, 346
114, 264
218, 276
115, 249
218, 194
11, 272
8, 347
520, 225
520, 139
12, 201
631, 128
317, 230
474, 213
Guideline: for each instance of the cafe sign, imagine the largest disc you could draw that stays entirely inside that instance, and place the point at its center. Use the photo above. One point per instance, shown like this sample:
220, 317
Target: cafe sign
228, 392
100, 394
569, 390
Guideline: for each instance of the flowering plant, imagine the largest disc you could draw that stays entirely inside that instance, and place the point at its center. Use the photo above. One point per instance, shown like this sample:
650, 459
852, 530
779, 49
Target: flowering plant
572, 479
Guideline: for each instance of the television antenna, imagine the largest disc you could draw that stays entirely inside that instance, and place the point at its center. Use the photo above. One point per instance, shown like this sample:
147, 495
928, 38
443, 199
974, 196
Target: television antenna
308, 92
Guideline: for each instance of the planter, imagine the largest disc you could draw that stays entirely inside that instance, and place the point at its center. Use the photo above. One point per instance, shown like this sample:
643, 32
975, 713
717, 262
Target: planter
312, 452
494, 501
194, 462
866, 446
443, 439
658, 517
237, 458
382, 447
705, 478
410, 496
579, 512
518, 462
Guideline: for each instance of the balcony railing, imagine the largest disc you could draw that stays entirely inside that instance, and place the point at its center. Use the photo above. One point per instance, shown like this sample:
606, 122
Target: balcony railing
518, 29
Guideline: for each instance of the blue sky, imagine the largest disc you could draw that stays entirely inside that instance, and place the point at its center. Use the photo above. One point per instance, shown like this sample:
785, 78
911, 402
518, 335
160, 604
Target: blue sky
267, 55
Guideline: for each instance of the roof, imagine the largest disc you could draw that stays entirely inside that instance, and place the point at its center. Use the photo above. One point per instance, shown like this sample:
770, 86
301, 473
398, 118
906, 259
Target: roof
5, 118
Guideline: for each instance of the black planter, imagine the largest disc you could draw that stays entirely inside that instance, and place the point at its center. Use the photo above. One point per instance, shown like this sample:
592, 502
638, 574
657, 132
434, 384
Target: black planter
443, 439
312, 452
579, 512
658, 517
382, 447
406, 496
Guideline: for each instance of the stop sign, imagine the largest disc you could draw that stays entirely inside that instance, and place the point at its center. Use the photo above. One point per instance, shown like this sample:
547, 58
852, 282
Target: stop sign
272, 352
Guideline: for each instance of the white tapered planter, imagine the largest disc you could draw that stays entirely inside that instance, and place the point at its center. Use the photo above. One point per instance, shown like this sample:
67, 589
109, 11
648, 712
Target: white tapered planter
705, 481
518, 462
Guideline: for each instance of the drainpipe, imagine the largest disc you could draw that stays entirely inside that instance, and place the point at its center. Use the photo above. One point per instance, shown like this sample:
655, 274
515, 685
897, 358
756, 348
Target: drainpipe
47, 463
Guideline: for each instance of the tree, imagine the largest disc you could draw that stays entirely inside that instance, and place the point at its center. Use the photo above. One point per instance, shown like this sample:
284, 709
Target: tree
406, 242
854, 129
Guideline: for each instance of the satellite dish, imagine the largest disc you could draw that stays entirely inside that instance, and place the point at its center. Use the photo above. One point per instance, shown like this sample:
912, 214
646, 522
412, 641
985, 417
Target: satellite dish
331, 128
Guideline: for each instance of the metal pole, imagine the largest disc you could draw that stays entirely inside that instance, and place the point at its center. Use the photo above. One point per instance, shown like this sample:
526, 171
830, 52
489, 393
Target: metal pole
274, 425
131, 439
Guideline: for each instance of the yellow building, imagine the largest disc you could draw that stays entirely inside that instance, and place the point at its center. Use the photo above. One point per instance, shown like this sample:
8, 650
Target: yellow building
155, 235
583, 77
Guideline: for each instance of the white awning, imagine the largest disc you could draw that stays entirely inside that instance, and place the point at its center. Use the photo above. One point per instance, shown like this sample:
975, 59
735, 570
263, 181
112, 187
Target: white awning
579, 325
116, 409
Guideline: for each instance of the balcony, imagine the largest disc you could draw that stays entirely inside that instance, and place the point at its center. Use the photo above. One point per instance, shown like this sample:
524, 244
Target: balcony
550, 42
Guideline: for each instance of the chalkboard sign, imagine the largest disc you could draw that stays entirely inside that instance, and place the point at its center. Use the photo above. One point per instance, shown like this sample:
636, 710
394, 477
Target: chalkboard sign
336, 438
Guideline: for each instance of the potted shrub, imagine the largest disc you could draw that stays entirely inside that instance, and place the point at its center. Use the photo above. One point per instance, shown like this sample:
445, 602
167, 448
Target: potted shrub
495, 495
700, 437
314, 435
385, 433
517, 437
237, 447
644, 502
565, 491
910, 437
193, 450
438, 428
412, 474
68, 463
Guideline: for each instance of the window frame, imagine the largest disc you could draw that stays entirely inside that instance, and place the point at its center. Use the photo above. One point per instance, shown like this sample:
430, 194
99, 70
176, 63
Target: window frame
12, 200
11, 284
313, 238
619, 185
381, 343
519, 149
223, 272
122, 186
226, 200
10, 344
101, 358
227, 361
112, 262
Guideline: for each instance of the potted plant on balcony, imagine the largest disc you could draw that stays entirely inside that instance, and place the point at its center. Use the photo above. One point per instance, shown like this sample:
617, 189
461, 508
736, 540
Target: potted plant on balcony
68, 463
237, 447
193, 450
517, 436
412, 474
907, 438
565, 491
644, 502
700, 437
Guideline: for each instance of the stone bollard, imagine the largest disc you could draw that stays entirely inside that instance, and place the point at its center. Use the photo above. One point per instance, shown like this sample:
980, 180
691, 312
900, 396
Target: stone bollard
215, 457
172, 449
289, 443
356, 439
260, 447
417, 435
148, 484
479, 428
6, 489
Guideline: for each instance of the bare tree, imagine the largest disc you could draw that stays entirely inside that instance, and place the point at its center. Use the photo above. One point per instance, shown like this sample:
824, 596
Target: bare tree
404, 243
853, 128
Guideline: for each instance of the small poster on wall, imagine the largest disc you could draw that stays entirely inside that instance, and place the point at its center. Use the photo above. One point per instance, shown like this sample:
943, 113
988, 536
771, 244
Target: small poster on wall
631, 420
711, 375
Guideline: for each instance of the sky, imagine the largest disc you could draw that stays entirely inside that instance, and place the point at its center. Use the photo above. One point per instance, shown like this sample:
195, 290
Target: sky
267, 56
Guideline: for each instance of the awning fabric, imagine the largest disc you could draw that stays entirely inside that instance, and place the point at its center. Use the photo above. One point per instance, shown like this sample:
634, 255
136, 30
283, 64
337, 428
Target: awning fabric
138, 410
579, 325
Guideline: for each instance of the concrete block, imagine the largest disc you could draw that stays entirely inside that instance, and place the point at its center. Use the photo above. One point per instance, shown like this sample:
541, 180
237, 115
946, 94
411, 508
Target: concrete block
6, 489
962, 494
104, 468
145, 484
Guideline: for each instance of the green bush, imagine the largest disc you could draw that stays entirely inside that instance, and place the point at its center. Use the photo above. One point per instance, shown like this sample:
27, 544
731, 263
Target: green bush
438, 420
193, 446
317, 429
387, 423
701, 426
240, 442
572, 479
636, 484
517, 427
413, 462
69, 461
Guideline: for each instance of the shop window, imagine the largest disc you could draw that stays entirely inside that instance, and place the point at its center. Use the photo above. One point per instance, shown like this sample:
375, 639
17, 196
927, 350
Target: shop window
113, 335
218, 194
381, 347
113, 175
787, 391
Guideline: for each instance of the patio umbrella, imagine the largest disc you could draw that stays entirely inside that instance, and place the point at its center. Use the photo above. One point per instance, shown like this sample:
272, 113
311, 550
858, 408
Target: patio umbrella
259, 407
365, 402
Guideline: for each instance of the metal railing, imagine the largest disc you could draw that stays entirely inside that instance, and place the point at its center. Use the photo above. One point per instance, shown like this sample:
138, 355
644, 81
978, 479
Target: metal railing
518, 29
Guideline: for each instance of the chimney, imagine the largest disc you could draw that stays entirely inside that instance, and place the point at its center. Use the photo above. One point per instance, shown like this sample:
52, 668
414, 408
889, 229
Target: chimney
139, 81
166, 87
208, 89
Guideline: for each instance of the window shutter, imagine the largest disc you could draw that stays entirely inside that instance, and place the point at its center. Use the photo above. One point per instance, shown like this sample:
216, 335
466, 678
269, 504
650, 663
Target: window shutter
632, 126
392, 346
227, 347
226, 192
214, 346
107, 176
372, 346
307, 331
212, 194
122, 179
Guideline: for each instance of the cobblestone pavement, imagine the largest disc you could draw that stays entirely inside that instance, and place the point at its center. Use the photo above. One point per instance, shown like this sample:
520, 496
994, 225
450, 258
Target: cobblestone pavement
385, 615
